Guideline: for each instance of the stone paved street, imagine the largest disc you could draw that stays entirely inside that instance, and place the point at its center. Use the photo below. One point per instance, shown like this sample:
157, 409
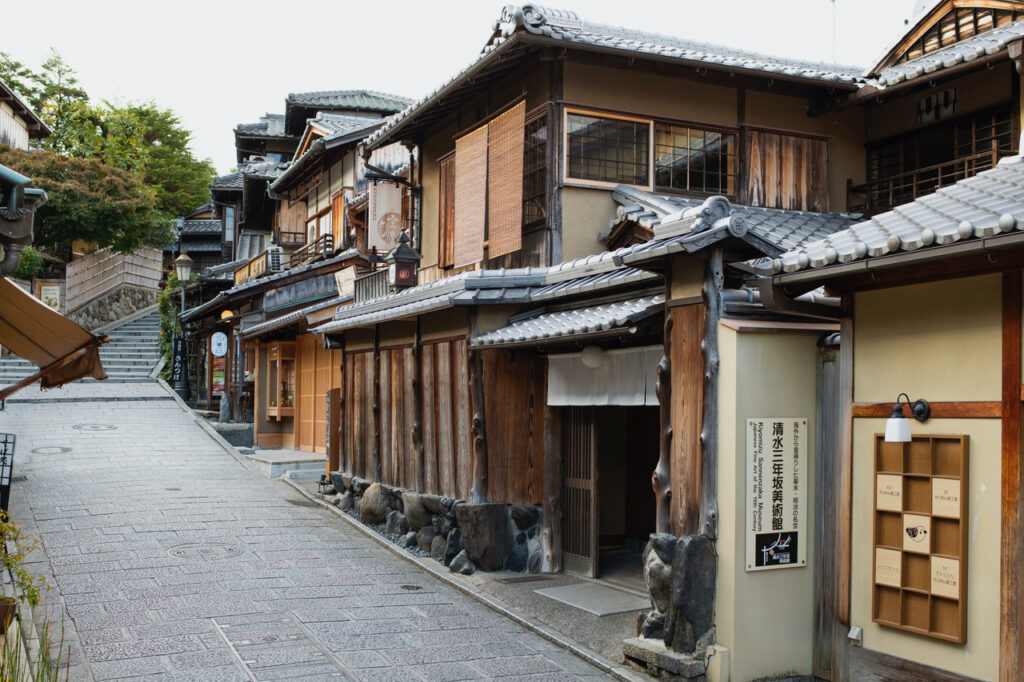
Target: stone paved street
174, 561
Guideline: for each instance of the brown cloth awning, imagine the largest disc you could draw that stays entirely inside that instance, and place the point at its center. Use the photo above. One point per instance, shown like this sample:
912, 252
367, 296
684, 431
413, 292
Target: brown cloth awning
61, 349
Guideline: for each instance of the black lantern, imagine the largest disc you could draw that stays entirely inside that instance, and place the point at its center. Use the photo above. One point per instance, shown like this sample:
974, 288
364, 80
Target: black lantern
403, 263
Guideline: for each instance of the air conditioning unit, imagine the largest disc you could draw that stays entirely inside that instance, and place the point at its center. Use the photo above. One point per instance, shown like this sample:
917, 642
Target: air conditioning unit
275, 259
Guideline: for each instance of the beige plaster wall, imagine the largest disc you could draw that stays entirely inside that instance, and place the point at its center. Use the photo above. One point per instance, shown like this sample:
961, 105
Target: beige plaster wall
444, 324
978, 658
764, 618
586, 213
941, 341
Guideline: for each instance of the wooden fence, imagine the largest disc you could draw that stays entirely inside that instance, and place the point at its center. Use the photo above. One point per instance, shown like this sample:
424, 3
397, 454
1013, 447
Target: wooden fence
96, 274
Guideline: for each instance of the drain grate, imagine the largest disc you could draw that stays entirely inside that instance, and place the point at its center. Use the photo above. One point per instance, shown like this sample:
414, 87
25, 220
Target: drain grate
19, 479
95, 427
302, 503
523, 579
51, 450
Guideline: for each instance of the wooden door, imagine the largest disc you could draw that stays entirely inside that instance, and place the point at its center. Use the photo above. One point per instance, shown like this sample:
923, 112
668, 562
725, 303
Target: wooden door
321, 384
579, 492
306, 371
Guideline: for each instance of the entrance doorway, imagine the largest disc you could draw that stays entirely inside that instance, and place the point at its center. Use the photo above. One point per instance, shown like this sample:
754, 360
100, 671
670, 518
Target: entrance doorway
609, 454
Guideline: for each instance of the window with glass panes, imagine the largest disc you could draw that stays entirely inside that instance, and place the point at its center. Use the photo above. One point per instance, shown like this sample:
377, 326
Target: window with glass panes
694, 159
608, 149
535, 171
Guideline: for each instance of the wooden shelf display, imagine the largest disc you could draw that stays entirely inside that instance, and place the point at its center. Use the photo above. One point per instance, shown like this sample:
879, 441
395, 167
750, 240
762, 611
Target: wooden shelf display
281, 380
920, 536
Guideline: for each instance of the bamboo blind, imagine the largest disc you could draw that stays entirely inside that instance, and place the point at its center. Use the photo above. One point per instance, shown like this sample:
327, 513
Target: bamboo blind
337, 218
505, 181
470, 196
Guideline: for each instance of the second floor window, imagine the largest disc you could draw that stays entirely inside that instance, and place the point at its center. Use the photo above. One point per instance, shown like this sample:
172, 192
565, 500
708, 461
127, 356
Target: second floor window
229, 223
608, 149
694, 160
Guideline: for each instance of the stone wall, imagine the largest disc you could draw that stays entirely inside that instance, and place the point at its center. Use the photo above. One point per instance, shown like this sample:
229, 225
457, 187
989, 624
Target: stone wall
490, 536
113, 306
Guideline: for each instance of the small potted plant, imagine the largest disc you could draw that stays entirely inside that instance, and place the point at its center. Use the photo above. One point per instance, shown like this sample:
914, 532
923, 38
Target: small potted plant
15, 545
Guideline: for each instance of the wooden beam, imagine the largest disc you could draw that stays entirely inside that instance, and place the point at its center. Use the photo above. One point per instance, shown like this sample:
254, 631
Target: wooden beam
376, 473
979, 409
845, 439
1011, 623
714, 277
554, 174
551, 517
479, 425
687, 335
417, 410
661, 478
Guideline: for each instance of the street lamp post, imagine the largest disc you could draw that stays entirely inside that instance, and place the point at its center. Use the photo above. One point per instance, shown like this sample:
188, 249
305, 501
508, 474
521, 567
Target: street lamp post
183, 266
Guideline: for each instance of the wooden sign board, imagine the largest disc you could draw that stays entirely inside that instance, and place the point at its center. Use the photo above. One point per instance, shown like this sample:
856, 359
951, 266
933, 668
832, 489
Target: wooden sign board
920, 536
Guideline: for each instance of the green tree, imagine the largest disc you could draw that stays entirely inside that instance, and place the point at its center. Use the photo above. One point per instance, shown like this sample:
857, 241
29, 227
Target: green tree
60, 101
91, 201
18, 76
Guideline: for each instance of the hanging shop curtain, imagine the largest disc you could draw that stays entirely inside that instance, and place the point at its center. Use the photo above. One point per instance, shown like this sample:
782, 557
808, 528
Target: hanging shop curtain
61, 349
470, 196
625, 376
505, 181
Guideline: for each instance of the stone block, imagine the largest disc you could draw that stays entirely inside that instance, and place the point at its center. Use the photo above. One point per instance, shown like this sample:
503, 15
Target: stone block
453, 547
425, 538
486, 533
524, 515
517, 559
692, 608
410, 539
415, 511
345, 501
338, 481
442, 526
396, 523
373, 506
462, 564
652, 657
438, 548
432, 503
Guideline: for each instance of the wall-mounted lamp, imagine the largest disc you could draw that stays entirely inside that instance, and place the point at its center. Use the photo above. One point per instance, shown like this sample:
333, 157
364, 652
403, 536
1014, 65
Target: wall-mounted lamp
897, 427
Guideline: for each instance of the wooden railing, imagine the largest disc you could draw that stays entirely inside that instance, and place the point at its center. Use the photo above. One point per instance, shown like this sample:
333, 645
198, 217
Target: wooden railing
319, 248
94, 275
291, 238
373, 285
885, 193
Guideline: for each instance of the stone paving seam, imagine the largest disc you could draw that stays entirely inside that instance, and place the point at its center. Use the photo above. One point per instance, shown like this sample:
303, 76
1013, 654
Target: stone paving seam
619, 671
210, 431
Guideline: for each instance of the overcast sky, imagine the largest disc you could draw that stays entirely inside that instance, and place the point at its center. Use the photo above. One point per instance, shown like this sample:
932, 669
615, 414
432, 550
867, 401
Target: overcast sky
218, 63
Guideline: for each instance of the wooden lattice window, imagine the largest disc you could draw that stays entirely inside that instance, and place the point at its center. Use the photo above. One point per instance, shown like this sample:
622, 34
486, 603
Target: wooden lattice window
535, 172
608, 149
694, 159
446, 217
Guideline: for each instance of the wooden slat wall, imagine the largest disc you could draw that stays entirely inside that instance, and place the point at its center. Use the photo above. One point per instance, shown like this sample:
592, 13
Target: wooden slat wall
785, 171
505, 181
445, 419
463, 419
514, 404
387, 406
470, 196
431, 478
305, 402
322, 383
411, 475
686, 407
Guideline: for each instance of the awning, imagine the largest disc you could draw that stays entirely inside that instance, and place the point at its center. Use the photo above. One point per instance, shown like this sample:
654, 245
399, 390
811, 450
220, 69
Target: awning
61, 349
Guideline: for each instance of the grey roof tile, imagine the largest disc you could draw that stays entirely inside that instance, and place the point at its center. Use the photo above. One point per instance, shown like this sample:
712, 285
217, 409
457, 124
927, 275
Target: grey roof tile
549, 326
370, 100
202, 246
986, 205
204, 226
270, 125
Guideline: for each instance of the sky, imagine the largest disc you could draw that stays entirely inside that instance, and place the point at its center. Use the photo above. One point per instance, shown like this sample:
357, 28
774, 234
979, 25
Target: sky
218, 63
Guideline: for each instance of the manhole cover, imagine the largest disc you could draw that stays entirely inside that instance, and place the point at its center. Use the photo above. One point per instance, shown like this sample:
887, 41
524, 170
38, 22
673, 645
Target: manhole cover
95, 427
210, 551
51, 450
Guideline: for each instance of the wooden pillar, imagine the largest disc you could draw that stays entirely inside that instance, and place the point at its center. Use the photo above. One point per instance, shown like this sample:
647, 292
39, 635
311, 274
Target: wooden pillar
479, 426
342, 435
374, 471
333, 429
554, 158
551, 517
1011, 620
661, 479
845, 382
417, 410
714, 276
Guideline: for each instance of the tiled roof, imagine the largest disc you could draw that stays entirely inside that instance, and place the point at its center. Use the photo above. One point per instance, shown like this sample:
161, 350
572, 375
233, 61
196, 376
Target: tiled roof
368, 100
550, 326
271, 125
567, 27
259, 170
340, 124
229, 181
291, 318
783, 228
968, 50
202, 246
205, 226
984, 206
251, 244
208, 206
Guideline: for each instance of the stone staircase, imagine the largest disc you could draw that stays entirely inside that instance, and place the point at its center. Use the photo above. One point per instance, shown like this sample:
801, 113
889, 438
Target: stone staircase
129, 356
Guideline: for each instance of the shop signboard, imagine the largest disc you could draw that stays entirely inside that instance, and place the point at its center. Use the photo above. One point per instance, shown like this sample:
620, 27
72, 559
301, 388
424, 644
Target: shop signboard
776, 519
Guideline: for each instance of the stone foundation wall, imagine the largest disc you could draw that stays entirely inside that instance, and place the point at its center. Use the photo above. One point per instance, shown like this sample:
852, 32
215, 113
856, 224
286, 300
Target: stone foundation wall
113, 306
490, 536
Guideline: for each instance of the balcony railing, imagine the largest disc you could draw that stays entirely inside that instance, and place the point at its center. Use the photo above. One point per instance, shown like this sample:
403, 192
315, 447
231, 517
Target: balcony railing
883, 194
291, 238
373, 285
318, 249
